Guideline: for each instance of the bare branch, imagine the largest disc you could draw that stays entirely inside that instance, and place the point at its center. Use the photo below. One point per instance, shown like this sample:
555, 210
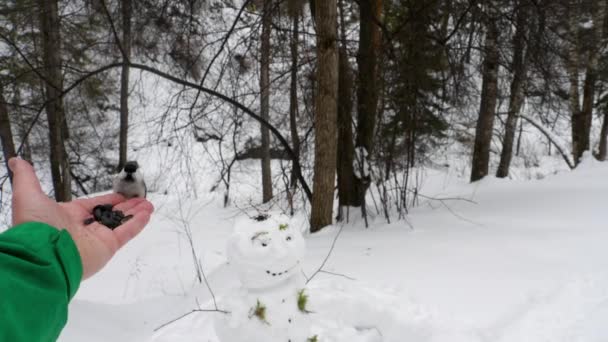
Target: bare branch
333, 245
187, 314
551, 138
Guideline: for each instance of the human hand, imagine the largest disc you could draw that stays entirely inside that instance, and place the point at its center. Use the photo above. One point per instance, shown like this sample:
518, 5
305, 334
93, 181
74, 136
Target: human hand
95, 242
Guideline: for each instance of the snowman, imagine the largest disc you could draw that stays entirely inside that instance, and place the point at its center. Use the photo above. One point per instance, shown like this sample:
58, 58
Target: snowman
271, 303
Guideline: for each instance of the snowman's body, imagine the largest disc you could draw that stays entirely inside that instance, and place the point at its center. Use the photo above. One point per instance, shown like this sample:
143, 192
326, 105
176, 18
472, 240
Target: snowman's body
266, 256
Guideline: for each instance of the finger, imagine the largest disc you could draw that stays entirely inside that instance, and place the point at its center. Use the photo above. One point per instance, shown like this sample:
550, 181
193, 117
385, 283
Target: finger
129, 204
24, 177
142, 206
90, 203
128, 230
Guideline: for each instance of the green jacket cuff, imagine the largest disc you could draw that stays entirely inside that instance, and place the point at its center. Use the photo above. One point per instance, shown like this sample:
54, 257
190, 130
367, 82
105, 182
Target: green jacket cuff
45, 239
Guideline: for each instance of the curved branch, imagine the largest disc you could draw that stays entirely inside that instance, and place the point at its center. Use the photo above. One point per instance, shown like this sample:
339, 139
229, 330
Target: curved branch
551, 138
275, 132
61, 94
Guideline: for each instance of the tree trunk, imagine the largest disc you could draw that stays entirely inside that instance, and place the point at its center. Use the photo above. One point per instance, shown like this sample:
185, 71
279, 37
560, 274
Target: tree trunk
124, 83
582, 117
517, 90
293, 93
369, 47
6, 134
589, 85
346, 148
51, 46
487, 108
265, 100
572, 69
325, 115
604, 138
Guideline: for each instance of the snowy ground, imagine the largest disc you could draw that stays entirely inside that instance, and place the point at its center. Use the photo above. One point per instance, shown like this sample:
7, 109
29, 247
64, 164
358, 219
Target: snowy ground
527, 261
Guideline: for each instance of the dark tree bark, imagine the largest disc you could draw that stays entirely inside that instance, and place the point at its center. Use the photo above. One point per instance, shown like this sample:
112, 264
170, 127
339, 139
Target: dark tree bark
582, 117
517, 89
325, 115
574, 98
367, 95
22, 123
487, 108
51, 46
346, 148
124, 83
591, 74
604, 138
293, 90
265, 99
6, 134
294, 11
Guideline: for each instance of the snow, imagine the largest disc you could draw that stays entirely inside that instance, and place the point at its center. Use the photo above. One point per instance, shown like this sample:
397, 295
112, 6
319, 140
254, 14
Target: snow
588, 24
361, 164
521, 261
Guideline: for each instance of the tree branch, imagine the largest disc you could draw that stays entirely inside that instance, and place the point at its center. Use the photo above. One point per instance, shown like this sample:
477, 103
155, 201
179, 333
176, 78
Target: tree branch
551, 138
274, 130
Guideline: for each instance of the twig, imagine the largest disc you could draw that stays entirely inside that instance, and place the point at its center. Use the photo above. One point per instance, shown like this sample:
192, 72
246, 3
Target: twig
441, 199
333, 244
459, 216
114, 32
219, 51
207, 284
337, 274
187, 314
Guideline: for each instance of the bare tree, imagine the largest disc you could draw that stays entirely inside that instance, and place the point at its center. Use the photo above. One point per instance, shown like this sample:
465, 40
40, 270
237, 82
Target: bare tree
295, 10
603, 148
582, 117
6, 134
591, 74
487, 108
265, 99
604, 138
370, 39
346, 179
519, 68
51, 46
325, 114
124, 83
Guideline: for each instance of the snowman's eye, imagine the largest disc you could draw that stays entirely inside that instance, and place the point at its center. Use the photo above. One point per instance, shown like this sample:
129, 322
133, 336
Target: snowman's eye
264, 244
288, 238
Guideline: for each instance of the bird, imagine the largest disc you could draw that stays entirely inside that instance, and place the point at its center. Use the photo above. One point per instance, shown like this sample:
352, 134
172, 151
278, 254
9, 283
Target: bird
129, 182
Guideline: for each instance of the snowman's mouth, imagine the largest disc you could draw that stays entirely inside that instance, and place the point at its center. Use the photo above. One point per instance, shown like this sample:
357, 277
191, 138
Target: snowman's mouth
280, 273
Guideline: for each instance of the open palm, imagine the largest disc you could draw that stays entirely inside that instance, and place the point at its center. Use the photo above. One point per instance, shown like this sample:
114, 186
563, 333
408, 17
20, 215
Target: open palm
96, 243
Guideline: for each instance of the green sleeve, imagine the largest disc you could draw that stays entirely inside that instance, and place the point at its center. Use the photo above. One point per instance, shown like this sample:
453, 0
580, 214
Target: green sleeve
40, 271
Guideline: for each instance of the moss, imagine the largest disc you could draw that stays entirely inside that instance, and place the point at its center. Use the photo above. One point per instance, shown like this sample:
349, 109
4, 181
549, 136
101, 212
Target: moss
302, 301
259, 311
283, 226
313, 339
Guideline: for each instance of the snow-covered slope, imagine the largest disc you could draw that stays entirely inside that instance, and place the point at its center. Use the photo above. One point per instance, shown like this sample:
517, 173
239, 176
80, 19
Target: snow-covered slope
498, 260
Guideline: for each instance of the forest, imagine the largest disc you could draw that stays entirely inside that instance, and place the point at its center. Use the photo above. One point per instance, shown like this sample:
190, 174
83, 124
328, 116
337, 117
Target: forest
423, 170
350, 96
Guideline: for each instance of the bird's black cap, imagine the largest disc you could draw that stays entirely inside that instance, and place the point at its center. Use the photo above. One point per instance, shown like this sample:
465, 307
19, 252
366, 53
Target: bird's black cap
131, 166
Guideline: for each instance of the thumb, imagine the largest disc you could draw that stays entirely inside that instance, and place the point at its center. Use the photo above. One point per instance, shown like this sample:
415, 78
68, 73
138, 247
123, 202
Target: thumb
25, 181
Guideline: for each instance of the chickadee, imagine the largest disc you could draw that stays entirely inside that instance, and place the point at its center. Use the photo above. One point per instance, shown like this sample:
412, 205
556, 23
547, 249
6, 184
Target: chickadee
129, 182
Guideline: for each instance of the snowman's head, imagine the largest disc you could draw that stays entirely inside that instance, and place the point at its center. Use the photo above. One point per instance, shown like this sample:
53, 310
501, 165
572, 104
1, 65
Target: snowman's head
267, 253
